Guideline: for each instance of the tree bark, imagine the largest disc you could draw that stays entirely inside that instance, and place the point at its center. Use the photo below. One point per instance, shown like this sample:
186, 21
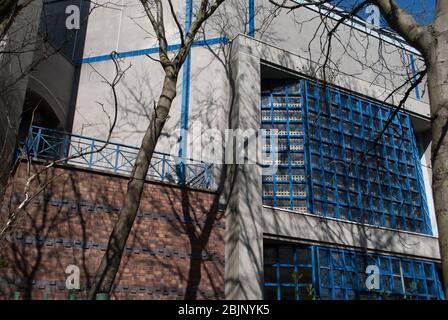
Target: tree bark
438, 94
110, 262
432, 42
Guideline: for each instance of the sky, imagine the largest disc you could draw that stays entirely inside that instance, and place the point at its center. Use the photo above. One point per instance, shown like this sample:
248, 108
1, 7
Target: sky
423, 10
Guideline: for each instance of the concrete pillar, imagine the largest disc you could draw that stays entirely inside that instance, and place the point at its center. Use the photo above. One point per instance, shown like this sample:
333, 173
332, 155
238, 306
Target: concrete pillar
20, 40
244, 227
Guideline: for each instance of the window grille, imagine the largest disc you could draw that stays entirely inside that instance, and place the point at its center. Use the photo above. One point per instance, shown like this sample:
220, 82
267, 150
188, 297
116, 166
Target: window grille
325, 146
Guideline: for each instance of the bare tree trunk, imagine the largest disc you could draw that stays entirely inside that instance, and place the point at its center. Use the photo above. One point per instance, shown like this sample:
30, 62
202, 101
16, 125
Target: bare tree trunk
438, 93
110, 263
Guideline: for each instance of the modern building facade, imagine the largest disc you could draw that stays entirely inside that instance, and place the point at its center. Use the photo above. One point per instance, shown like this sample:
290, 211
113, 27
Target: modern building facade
335, 200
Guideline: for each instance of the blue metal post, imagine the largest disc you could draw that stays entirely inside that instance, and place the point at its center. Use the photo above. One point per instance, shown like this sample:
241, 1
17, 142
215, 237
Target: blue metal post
185, 101
344, 156
117, 157
307, 146
251, 32
66, 145
277, 269
163, 167
274, 176
36, 142
288, 130
414, 75
386, 165
92, 149
332, 168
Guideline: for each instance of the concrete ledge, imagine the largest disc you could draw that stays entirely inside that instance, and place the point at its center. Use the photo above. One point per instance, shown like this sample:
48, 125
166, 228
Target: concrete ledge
308, 227
302, 65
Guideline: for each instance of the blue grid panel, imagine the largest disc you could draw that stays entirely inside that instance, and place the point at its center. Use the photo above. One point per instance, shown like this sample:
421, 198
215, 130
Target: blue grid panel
304, 272
342, 276
329, 164
282, 110
289, 272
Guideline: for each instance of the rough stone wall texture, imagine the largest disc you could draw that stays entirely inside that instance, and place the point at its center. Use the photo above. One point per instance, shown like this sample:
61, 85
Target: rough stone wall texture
175, 250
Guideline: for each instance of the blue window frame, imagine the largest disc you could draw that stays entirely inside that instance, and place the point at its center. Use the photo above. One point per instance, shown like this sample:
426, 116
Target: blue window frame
301, 272
328, 163
282, 110
289, 272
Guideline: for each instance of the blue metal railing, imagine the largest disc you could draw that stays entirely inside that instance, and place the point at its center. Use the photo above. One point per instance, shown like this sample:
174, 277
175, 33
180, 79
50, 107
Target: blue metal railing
85, 152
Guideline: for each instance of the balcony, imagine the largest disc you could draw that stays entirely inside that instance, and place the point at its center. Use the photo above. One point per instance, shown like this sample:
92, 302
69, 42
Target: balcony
89, 153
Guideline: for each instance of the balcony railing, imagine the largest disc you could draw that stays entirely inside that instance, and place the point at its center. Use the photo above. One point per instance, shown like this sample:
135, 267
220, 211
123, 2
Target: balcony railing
85, 152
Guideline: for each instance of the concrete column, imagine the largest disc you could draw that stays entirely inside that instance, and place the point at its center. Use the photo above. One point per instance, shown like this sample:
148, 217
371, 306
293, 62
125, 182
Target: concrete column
244, 227
20, 42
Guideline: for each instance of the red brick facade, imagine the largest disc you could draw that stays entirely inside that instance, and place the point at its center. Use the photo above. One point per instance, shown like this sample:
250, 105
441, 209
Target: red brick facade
175, 250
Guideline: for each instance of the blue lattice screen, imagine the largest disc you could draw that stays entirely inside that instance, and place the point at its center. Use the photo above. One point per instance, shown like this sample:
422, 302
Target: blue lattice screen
282, 110
329, 163
307, 272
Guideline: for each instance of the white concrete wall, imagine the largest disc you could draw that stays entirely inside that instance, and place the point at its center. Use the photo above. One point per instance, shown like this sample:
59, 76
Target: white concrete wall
307, 227
426, 167
124, 27
127, 31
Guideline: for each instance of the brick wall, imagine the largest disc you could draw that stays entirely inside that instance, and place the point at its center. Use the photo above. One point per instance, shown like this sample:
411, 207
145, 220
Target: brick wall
175, 250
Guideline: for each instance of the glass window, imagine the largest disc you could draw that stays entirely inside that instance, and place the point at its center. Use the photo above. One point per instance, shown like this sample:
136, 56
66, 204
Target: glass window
342, 127
317, 272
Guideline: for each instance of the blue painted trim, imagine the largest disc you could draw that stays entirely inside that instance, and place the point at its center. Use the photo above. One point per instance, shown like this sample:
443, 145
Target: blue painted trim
184, 111
188, 15
251, 18
288, 130
414, 72
313, 269
185, 103
278, 275
307, 158
154, 50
